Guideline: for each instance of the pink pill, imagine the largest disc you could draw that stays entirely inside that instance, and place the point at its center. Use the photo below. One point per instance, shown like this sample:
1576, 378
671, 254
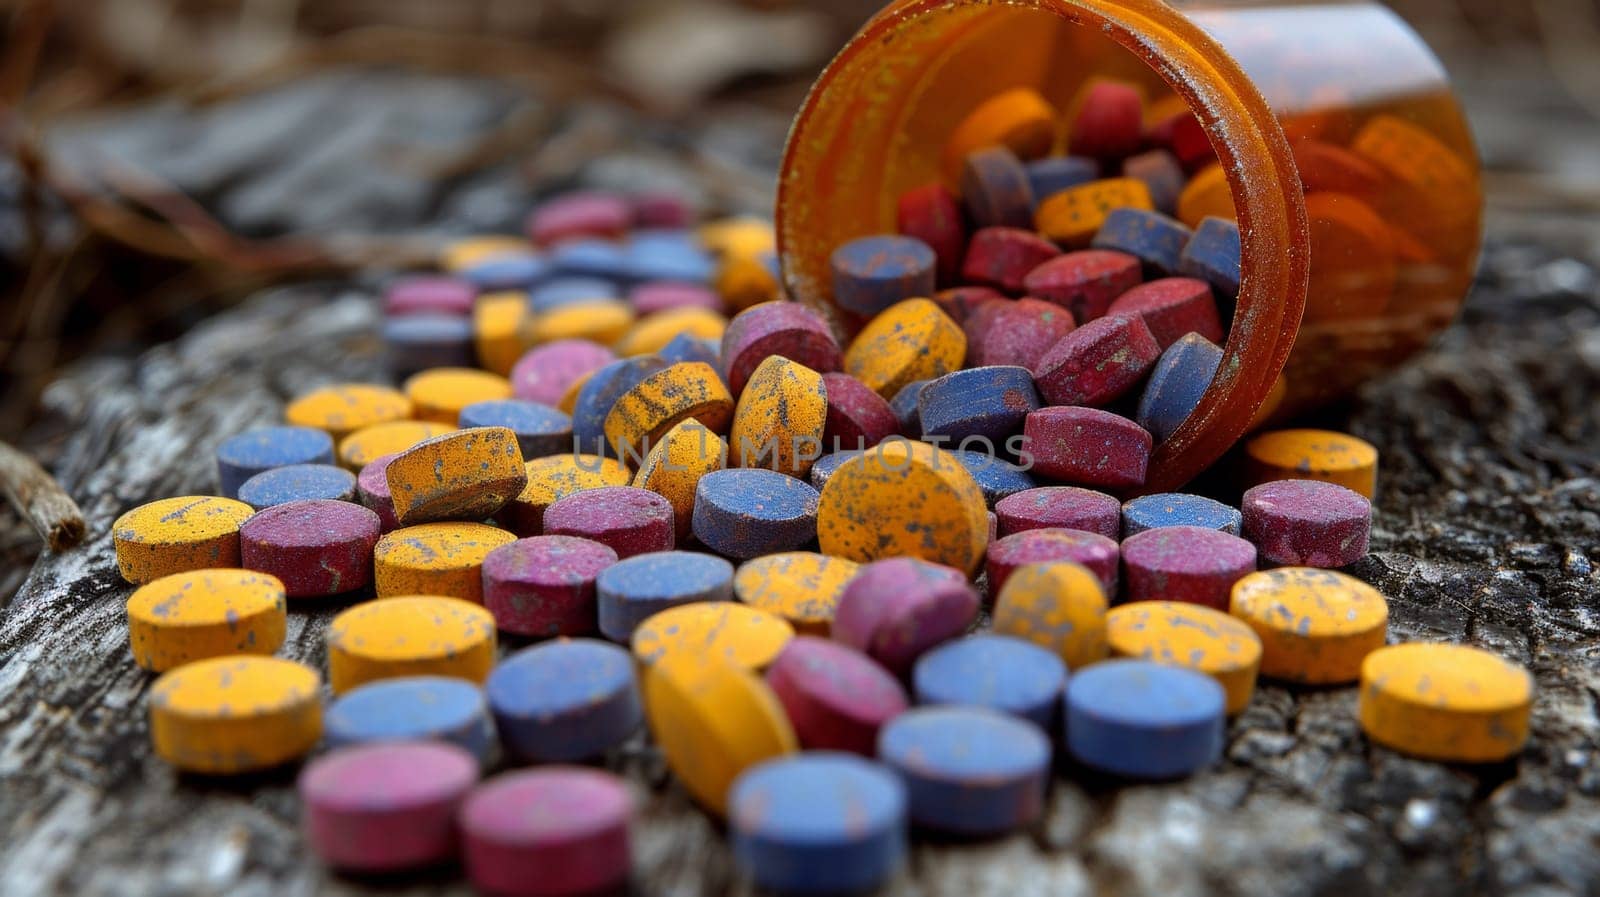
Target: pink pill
648, 298
1098, 362
316, 546
579, 215
1060, 507
544, 585
543, 374
372, 487
660, 209
1307, 523
385, 806
628, 519
1019, 333
1041, 546
548, 832
776, 328
1172, 308
1088, 447
835, 697
895, 609
1185, 563
429, 294
857, 416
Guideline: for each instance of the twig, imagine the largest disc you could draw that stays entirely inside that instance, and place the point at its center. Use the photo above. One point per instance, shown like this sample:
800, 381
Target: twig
37, 497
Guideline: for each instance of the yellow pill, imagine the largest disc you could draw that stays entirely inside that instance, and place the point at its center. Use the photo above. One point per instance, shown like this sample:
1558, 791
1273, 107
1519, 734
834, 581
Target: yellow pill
1270, 405
743, 281
713, 720
1315, 626
1018, 119
459, 255
368, 444
569, 399
1207, 195
347, 407
462, 475
652, 332
910, 340
1073, 216
904, 498
746, 636
439, 394
780, 418
205, 613
1313, 455
435, 559
1060, 606
802, 587
744, 237
1417, 159
676, 463
239, 713
409, 635
171, 535
1192, 636
601, 320
1445, 702
498, 322
644, 414
1160, 110
555, 477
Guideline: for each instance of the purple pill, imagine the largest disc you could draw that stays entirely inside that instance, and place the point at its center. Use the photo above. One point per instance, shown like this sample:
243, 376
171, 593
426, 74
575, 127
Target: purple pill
559, 830
1185, 563
545, 373
628, 519
372, 487
776, 328
1059, 507
386, 806
995, 188
1307, 523
1037, 546
429, 294
896, 609
660, 295
545, 585
316, 547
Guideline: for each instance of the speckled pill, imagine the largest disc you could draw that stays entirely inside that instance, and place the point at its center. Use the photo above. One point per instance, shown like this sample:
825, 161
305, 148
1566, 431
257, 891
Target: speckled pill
298, 482
980, 403
1451, 703
1172, 307
544, 372
372, 489
385, 807
598, 394
742, 635
1084, 282
1191, 564
344, 408
662, 400
465, 474
1109, 122
1144, 720
780, 419
874, 272
750, 512
996, 477
1190, 636
1059, 606
995, 188
903, 498
1162, 175
420, 342
559, 831
1178, 509
1018, 333
565, 701
894, 610
235, 714
439, 394
1307, 523
1001, 257
627, 519
788, 329
836, 697
1088, 447
171, 535
674, 466
409, 635
1098, 553
651, 333
435, 559
579, 214
1149, 236
827, 464
553, 477
688, 347
857, 417
932, 214
315, 547
1053, 174
1097, 363
1177, 382
371, 443
999, 672
1073, 216
1304, 454
802, 587
204, 613
968, 771
1059, 507
497, 330
243, 456
631, 591
429, 294
1212, 255
540, 429
904, 405
413, 708
1315, 626
545, 585
1019, 119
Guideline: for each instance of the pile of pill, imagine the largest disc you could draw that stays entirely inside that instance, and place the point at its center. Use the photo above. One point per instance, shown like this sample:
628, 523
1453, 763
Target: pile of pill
771, 550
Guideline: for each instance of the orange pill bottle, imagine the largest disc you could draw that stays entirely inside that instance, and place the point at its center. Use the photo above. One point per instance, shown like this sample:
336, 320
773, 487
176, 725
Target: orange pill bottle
1351, 167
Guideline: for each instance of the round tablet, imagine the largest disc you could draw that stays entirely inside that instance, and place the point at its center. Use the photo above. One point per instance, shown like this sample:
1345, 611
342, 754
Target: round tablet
1212, 254
545, 372
431, 340
1307, 523
858, 418
640, 587
674, 466
1149, 236
1098, 362
545, 585
317, 547
1177, 382
385, 807
439, 394
802, 587
540, 429
412, 635
1172, 307
996, 477
171, 535
932, 214
372, 487
649, 298
569, 290
835, 697
412, 708
995, 188
1001, 257
371, 443
243, 456
1313, 455
827, 464
1188, 635
1059, 507
872, 273
1144, 720
688, 347
579, 214
999, 672
205, 613
904, 498
659, 402
911, 340
235, 714
552, 478
651, 334
1036, 546
1084, 283
1185, 563
1315, 626
429, 294
780, 419
435, 559
904, 406
554, 832
512, 271
1109, 121
968, 770
347, 407
1053, 174
750, 512
1019, 333
788, 329
1088, 446
981, 403
1060, 606
627, 519
742, 635
1452, 703
298, 482
819, 823
564, 701
1178, 509
1018, 119
895, 609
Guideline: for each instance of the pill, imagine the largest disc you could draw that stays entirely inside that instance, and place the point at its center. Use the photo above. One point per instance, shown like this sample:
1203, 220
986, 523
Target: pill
746, 281
243, 456
713, 720
745, 636
931, 214
462, 253
409, 635
372, 490
1098, 553
540, 430
657, 296
1001, 257
568, 290
1059, 606
1144, 720
1019, 119
1053, 174
1059, 507
371, 443
439, 394
836, 697
235, 714
661, 208
819, 823
958, 302
662, 400
1073, 216
1084, 282
827, 464
1151, 237
627, 519
1212, 255
347, 407
603, 321
1182, 134
435, 559
910, 341
412, 708
196, 614
995, 476
385, 807
1452, 703
1018, 333
905, 407
298, 482
552, 478
688, 347
1178, 509
631, 591
1307, 523
599, 394
995, 189
1360, 286
1087, 446
968, 771
561, 831
579, 214
874, 272
1177, 382
508, 272
894, 610
1191, 636
545, 585
1172, 307
1325, 455
1326, 166
589, 257
497, 330
1207, 195
1162, 175
429, 294
750, 512
1097, 363
999, 672
1108, 122
903, 498
651, 333
315, 547
982, 404
172, 535
802, 587
1315, 625
788, 329
780, 419
464, 474
856, 417
666, 255
565, 701
746, 235
419, 342
674, 466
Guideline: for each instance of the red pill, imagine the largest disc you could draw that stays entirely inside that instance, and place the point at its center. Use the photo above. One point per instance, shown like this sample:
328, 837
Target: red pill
932, 214
1088, 447
857, 416
1326, 167
544, 585
1001, 257
1172, 307
386, 806
627, 519
1193, 564
576, 215
1084, 282
1098, 362
1109, 123
980, 319
995, 188
1018, 333
556, 831
1182, 134
661, 209
664, 295
895, 609
1042, 546
958, 302
372, 487
835, 697
1307, 523
1059, 507
316, 547
776, 328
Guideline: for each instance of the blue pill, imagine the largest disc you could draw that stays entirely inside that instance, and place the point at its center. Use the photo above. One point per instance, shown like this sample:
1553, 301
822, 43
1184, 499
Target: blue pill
417, 342
412, 708
968, 770
978, 404
1176, 384
822, 822
601, 259
243, 456
667, 255
1212, 255
559, 291
1154, 239
904, 405
872, 273
749, 512
565, 700
996, 477
507, 272
1054, 174
298, 482
1143, 720
633, 589
600, 392
1178, 509
995, 671
541, 430
827, 464
688, 347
